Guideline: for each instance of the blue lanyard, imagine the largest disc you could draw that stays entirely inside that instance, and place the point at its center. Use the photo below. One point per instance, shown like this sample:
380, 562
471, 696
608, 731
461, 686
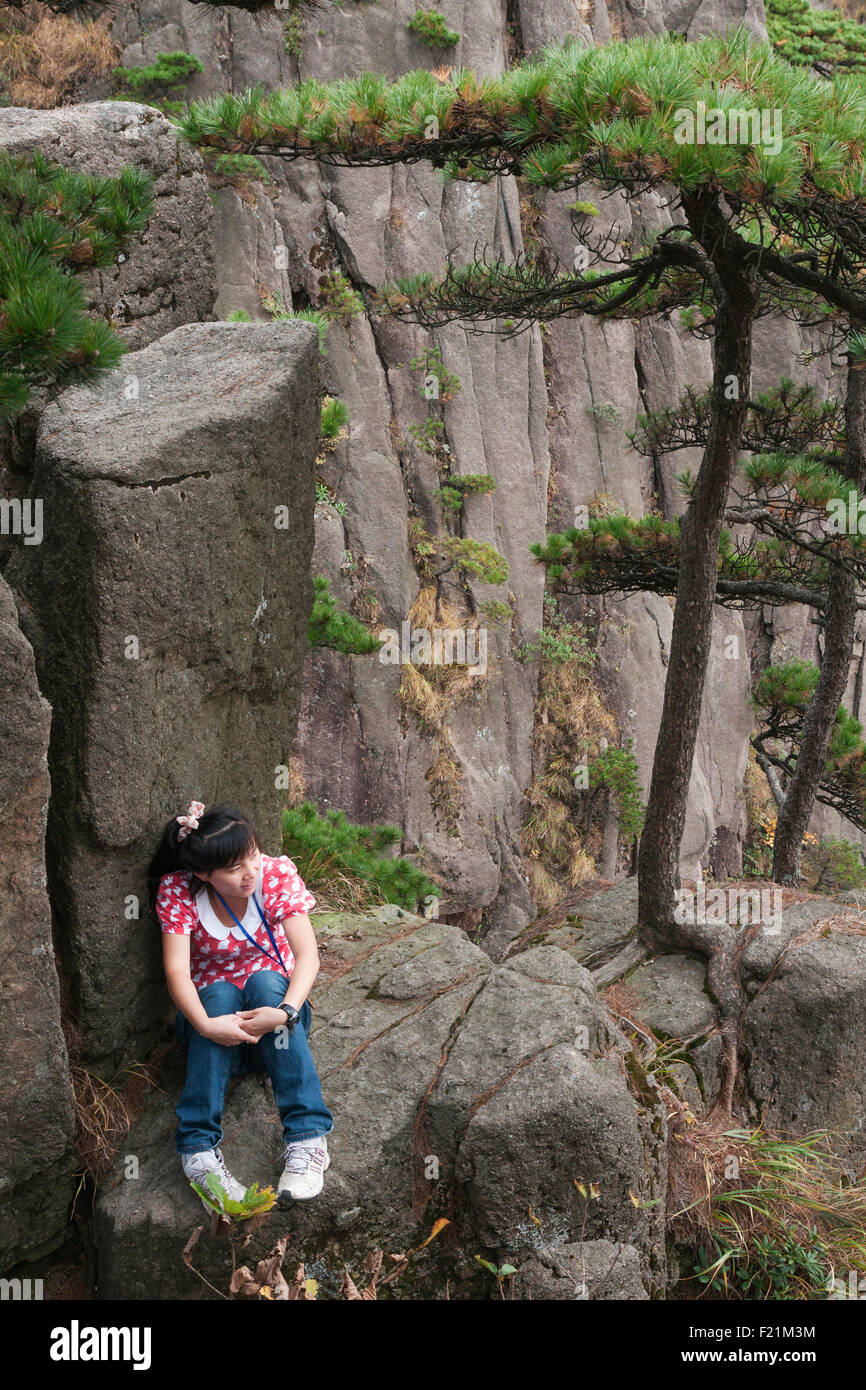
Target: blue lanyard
252, 938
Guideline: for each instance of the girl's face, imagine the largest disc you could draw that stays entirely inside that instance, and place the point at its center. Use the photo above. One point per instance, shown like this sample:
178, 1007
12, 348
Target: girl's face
237, 880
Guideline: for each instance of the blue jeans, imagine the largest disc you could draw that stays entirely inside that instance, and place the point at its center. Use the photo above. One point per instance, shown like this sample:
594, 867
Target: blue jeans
297, 1090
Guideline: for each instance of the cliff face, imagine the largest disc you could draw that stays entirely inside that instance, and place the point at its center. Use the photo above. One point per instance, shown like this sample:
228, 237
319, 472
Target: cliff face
535, 411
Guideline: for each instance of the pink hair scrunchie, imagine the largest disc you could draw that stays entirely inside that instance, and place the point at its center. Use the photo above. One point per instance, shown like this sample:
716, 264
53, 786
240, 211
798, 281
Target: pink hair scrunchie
190, 820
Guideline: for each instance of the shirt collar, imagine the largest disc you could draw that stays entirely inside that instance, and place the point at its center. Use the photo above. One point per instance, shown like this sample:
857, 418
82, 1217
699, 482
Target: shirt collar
212, 924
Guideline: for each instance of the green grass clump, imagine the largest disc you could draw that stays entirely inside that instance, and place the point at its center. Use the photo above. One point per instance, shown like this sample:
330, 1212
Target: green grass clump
279, 312
766, 1216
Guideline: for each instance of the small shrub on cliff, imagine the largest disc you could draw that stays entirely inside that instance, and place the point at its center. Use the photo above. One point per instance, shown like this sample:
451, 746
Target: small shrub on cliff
331, 627
331, 851
606, 411
241, 166
54, 222
426, 434
833, 865
460, 485
160, 83
439, 383
335, 415
617, 770
477, 558
339, 300
431, 28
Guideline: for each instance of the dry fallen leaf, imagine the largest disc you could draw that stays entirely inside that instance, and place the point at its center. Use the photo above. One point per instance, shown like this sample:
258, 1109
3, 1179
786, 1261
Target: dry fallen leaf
186, 1253
243, 1282
268, 1268
438, 1225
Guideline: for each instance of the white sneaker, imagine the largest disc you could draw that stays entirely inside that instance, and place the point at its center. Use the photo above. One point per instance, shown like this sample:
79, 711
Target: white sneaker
197, 1166
303, 1175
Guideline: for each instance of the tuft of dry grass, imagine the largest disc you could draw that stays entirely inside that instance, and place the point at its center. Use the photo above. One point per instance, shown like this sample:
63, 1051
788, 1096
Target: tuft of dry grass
739, 1187
44, 57
419, 695
296, 792
432, 691
443, 778
104, 1112
545, 890
623, 1001
334, 889
571, 719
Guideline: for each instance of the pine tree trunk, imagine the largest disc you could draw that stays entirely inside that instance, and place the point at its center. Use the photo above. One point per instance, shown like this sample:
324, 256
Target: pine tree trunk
840, 627
658, 860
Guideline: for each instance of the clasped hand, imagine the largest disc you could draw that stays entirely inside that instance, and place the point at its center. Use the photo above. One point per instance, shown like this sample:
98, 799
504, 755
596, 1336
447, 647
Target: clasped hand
245, 1026
260, 1021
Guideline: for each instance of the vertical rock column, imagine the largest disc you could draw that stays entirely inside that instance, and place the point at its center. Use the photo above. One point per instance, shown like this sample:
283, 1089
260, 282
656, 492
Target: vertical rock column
37, 1121
168, 609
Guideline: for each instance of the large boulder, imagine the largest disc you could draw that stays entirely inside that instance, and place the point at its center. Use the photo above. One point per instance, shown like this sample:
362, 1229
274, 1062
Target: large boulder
460, 1089
168, 607
37, 1117
805, 1026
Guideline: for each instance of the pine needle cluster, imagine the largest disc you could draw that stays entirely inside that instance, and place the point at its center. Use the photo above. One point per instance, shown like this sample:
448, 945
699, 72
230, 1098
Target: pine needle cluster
781, 696
329, 846
330, 626
54, 222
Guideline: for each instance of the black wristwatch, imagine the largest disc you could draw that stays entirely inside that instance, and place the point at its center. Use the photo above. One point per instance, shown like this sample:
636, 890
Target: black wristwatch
292, 1014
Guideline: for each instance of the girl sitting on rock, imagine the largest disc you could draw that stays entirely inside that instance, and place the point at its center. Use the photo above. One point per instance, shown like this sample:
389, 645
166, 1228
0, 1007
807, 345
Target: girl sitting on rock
240, 958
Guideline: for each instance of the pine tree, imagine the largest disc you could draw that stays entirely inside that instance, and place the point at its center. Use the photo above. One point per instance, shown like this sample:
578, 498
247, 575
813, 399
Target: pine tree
810, 457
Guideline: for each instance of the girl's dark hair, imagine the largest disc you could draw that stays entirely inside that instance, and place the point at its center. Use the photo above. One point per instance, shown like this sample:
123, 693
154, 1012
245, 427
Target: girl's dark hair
224, 834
